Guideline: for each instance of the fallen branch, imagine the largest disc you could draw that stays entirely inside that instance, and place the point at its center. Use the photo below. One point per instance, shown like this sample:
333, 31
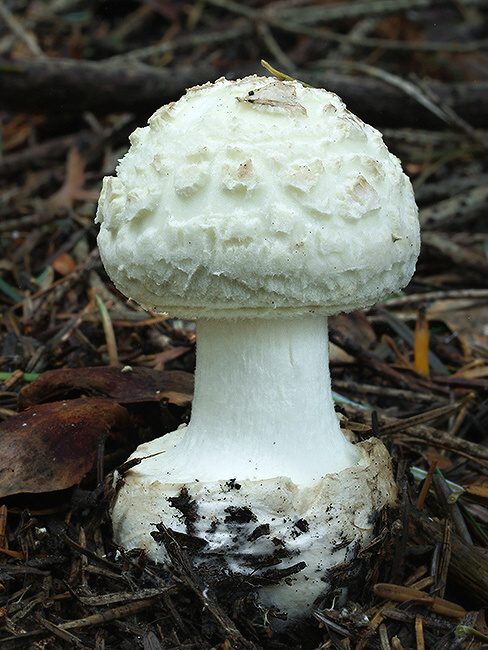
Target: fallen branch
190, 577
68, 86
468, 564
422, 432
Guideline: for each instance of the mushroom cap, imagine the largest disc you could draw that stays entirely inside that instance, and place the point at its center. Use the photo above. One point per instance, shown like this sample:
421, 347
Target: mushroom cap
258, 197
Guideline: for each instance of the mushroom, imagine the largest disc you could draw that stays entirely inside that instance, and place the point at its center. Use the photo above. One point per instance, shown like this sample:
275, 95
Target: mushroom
260, 207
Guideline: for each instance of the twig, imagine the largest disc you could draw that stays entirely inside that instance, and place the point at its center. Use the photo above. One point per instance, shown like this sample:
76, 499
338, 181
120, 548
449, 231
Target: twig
457, 254
454, 211
355, 9
383, 43
35, 155
125, 596
468, 564
384, 391
353, 348
451, 115
434, 296
426, 434
109, 615
77, 86
424, 96
92, 259
235, 7
403, 594
60, 633
16, 28
452, 185
269, 40
428, 140
440, 413
181, 42
112, 566
189, 576
358, 32
426, 485
109, 332
444, 559
64, 85
298, 19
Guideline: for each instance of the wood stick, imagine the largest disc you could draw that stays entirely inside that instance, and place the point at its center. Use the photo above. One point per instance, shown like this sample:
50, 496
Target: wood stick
423, 432
69, 86
468, 565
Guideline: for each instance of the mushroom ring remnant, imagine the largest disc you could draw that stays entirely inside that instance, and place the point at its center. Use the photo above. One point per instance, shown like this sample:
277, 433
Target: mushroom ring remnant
261, 207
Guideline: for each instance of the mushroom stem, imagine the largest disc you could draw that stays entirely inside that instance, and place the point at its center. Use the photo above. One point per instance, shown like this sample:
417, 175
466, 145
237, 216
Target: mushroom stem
263, 405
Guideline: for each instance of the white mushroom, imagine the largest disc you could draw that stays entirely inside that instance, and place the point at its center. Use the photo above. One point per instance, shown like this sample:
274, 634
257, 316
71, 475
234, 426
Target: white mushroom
261, 207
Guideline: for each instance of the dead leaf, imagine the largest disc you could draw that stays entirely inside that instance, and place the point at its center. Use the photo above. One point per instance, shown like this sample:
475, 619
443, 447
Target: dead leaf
53, 446
64, 264
467, 318
421, 344
16, 132
478, 491
125, 386
275, 95
73, 184
357, 327
169, 355
474, 370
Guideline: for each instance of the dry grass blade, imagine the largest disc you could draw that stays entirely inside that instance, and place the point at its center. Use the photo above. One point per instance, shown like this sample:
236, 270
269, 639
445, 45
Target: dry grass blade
426, 485
108, 615
421, 346
403, 594
190, 577
434, 415
109, 332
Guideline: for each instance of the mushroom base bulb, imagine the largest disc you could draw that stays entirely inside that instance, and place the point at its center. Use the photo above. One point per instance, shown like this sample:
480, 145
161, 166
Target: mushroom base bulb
243, 524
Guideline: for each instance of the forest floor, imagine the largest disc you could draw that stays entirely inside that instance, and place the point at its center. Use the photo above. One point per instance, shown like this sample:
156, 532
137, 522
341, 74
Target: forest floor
75, 79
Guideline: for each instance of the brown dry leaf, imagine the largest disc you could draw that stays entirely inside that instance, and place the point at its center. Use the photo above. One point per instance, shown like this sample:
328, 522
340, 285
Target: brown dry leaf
421, 344
431, 454
168, 355
399, 28
64, 264
465, 317
474, 370
357, 327
480, 625
275, 95
73, 184
127, 386
53, 446
16, 132
478, 491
